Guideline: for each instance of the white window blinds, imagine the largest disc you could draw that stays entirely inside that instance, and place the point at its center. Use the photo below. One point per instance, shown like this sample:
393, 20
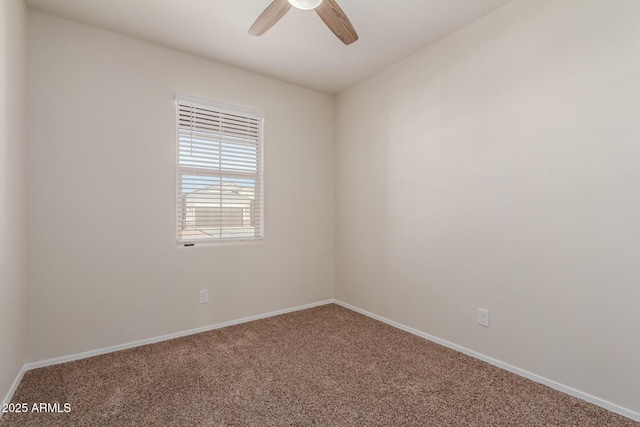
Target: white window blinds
219, 177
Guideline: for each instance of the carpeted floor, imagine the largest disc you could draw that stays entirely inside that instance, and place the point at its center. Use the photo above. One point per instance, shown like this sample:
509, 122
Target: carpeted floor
325, 366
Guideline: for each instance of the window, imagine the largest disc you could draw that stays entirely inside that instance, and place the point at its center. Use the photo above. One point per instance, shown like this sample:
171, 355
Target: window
219, 176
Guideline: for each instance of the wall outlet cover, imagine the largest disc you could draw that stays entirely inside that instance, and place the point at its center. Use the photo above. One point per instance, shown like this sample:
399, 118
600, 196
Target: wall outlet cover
483, 317
204, 296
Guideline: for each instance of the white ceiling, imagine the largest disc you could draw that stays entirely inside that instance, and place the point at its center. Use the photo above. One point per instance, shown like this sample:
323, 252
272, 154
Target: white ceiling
299, 49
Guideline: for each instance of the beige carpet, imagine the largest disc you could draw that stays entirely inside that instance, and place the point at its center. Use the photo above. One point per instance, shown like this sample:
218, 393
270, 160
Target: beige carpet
325, 366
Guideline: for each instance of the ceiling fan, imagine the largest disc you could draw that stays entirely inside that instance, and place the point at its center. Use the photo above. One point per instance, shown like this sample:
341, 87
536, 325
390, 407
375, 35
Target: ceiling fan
328, 10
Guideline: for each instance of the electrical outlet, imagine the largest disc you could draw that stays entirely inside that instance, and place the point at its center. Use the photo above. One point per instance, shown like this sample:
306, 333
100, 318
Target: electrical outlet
204, 296
483, 317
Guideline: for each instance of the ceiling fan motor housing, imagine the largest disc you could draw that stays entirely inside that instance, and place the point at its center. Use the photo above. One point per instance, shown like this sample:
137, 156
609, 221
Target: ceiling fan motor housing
305, 4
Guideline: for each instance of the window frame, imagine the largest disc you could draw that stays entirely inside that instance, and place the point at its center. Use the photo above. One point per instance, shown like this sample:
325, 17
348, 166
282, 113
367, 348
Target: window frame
258, 177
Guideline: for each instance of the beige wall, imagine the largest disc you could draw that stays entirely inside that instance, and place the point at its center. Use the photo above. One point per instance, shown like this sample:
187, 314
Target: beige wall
103, 263
500, 168
13, 143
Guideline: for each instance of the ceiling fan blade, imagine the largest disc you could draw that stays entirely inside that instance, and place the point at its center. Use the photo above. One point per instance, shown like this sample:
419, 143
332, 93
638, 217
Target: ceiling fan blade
337, 21
269, 17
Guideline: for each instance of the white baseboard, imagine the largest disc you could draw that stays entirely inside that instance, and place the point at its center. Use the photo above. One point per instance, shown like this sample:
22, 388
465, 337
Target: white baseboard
14, 386
521, 372
105, 350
